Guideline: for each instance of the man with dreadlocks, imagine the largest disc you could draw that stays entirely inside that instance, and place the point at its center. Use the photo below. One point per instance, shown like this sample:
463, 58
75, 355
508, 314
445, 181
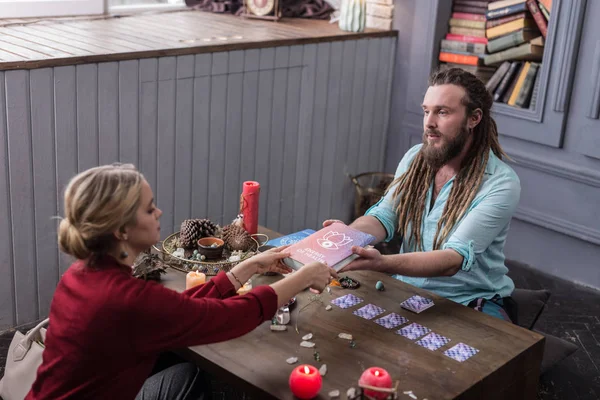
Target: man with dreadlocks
459, 193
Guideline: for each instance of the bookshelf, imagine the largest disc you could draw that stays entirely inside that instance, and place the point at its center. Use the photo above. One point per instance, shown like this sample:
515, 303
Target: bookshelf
543, 121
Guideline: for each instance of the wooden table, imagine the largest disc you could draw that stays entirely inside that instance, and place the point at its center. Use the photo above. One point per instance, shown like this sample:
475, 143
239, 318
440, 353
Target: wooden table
506, 367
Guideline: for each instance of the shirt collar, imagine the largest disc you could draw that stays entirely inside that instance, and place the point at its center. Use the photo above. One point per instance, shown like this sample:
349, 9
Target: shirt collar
490, 168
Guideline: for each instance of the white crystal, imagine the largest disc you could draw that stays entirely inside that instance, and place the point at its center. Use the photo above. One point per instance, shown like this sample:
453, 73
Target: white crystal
278, 328
328, 307
328, 289
323, 369
307, 344
334, 393
292, 360
351, 393
413, 396
234, 258
307, 336
346, 336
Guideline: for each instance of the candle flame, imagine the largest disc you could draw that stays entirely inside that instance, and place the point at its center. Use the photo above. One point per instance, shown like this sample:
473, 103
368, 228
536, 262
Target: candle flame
376, 373
306, 370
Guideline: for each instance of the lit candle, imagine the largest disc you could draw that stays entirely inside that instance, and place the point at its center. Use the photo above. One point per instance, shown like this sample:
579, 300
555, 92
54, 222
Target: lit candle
376, 377
194, 278
305, 381
245, 289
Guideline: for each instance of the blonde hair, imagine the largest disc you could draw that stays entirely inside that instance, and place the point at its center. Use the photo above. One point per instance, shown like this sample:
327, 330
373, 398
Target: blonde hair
98, 202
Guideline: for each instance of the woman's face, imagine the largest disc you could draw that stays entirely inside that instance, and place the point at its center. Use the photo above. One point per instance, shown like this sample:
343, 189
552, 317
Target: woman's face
146, 230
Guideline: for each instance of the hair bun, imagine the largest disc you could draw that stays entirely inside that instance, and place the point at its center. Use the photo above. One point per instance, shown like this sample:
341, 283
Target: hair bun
71, 241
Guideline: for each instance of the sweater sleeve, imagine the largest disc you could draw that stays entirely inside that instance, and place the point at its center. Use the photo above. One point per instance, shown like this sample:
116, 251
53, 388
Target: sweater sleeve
161, 319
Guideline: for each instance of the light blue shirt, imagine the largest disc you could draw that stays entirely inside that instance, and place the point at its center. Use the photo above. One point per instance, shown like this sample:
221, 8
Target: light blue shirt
479, 236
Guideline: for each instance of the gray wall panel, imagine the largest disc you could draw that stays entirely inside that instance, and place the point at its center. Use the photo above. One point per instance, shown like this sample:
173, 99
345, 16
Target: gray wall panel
128, 111
7, 287
108, 112
366, 140
216, 140
233, 136
65, 128
197, 127
87, 116
167, 101
44, 182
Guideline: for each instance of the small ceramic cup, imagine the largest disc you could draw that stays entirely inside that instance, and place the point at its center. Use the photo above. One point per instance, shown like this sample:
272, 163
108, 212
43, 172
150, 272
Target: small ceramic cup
210, 247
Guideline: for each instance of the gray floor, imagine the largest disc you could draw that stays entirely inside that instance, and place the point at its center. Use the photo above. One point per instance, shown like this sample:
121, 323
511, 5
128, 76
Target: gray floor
573, 313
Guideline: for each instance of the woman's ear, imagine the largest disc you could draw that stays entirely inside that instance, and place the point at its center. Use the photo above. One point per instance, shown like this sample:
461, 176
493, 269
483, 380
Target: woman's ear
121, 233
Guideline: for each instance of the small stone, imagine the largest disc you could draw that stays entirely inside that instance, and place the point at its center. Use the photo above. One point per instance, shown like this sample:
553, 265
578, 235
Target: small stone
334, 393
323, 370
346, 336
317, 356
328, 289
278, 328
351, 393
307, 336
328, 307
352, 344
195, 252
203, 257
379, 286
412, 396
213, 246
309, 345
292, 360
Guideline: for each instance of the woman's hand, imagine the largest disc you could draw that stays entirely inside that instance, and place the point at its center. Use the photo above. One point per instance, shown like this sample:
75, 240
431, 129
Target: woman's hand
369, 259
328, 222
271, 261
319, 275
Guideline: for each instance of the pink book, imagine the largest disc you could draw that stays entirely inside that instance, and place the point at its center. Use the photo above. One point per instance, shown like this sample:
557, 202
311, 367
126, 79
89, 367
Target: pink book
331, 245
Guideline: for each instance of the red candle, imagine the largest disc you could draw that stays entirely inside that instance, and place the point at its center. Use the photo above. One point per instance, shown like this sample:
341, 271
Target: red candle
305, 381
376, 377
249, 205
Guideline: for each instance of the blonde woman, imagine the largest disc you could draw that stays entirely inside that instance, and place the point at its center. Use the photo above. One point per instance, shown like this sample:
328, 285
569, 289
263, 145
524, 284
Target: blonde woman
107, 328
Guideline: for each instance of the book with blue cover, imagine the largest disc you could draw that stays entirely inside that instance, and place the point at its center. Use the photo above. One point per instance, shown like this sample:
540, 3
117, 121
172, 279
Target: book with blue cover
291, 238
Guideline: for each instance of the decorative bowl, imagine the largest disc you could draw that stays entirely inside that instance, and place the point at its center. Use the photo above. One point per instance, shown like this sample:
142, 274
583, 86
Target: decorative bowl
211, 247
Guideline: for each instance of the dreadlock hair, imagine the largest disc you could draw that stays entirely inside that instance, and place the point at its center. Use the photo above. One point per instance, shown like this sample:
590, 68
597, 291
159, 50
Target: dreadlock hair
412, 186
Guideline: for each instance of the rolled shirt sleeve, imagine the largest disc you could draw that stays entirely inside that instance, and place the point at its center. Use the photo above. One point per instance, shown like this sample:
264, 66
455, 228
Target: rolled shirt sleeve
486, 218
385, 209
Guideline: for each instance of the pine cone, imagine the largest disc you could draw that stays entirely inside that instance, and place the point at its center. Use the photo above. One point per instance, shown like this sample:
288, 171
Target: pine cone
194, 229
207, 228
236, 238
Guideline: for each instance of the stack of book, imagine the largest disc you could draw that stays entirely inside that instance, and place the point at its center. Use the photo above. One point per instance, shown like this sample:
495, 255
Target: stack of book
465, 44
380, 14
502, 45
516, 35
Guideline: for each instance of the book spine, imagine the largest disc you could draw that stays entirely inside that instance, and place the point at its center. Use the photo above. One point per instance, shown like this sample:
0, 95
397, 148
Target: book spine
506, 80
459, 58
544, 11
378, 10
494, 81
538, 17
547, 4
502, 12
469, 16
451, 45
505, 42
495, 5
466, 38
384, 2
527, 88
472, 3
465, 23
467, 31
509, 27
470, 10
504, 20
521, 51
536, 89
519, 85
513, 82
379, 23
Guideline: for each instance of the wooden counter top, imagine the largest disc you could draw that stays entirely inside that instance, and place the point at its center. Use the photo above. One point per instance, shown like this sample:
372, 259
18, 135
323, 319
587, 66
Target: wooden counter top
52, 42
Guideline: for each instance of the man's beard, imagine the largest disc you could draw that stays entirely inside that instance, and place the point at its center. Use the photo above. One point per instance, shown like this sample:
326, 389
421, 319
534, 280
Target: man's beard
437, 157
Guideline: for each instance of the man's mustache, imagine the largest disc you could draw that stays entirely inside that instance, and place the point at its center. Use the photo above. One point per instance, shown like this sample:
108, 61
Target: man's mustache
433, 132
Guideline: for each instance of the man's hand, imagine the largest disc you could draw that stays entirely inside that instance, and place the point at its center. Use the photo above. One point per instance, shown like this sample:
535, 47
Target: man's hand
369, 259
328, 222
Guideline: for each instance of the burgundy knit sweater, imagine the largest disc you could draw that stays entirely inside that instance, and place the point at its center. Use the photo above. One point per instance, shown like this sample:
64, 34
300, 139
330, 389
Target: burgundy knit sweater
107, 328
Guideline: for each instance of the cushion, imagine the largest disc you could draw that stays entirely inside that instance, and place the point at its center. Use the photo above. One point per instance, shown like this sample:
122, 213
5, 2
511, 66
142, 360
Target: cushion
555, 350
530, 304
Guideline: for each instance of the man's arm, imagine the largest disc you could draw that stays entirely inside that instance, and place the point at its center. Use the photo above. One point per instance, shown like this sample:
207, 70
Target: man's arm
370, 225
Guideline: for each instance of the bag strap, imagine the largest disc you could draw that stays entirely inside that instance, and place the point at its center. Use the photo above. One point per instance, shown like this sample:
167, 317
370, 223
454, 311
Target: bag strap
24, 345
